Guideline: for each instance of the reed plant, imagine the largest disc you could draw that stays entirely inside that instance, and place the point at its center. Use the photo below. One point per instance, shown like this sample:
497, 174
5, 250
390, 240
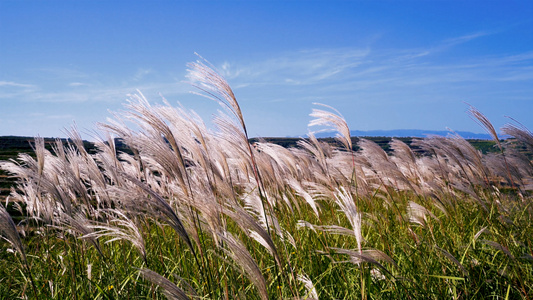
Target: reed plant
195, 213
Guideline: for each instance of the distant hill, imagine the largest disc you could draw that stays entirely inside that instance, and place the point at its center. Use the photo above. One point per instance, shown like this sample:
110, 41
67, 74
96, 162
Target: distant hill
408, 133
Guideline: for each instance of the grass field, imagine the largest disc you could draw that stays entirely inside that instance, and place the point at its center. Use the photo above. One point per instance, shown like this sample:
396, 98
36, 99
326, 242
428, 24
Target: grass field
192, 213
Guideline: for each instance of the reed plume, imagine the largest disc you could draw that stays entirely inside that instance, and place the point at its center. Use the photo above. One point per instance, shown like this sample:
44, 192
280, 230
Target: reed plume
347, 205
8, 232
169, 289
247, 265
334, 120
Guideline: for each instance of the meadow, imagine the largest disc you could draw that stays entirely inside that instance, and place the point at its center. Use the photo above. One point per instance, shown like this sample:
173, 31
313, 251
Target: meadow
196, 213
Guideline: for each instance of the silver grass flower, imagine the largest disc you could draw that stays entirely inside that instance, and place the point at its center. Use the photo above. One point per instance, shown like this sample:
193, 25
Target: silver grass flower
109, 161
254, 205
234, 137
283, 157
40, 154
305, 224
335, 120
156, 139
470, 156
253, 229
370, 256
334, 229
419, 214
309, 286
520, 132
297, 187
403, 155
318, 150
118, 227
379, 163
169, 289
485, 123
80, 224
162, 207
347, 205
240, 255
8, 231
482, 120
214, 87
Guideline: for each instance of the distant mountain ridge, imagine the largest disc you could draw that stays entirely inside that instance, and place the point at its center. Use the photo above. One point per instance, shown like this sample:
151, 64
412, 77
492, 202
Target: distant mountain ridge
408, 133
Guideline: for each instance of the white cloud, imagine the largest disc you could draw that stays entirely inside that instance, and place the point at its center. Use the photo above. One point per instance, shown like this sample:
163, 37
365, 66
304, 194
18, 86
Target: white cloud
301, 67
59, 73
14, 84
77, 84
141, 74
57, 88
51, 116
418, 75
466, 38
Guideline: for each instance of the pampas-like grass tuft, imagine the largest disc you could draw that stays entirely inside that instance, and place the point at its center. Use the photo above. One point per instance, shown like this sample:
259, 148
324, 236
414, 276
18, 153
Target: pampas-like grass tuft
243, 221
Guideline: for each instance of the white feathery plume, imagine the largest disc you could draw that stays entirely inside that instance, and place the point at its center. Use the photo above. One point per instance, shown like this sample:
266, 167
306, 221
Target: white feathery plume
335, 120
80, 224
164, 210
169, 289
335, 229
317, 149
482, 120
418, 214
520, 132
253, 204
214, 87
253, 229
347, 205
284, 158
304, 194
311, 290
370, 256
9, 232
240, 255
120, 227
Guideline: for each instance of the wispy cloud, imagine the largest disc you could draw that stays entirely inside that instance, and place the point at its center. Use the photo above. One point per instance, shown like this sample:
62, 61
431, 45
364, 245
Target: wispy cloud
439, 46
61, 73
93, 88
142, 73
353, 70
301, 67
465, 38
309, 74
314, 66
44, 116
78, 84
14, 84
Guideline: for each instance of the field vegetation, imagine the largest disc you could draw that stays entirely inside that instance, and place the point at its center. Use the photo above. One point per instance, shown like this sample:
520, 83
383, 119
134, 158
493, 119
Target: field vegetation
193, 213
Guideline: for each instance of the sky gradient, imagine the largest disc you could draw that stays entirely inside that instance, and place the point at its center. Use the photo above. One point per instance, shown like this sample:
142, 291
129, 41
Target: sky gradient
382, 64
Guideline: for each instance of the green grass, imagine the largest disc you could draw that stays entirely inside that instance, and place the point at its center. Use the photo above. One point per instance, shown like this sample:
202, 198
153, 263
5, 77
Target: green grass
59, 261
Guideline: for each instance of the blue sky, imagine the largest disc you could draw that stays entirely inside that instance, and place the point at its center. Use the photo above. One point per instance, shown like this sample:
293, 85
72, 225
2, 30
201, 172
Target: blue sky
383, 64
